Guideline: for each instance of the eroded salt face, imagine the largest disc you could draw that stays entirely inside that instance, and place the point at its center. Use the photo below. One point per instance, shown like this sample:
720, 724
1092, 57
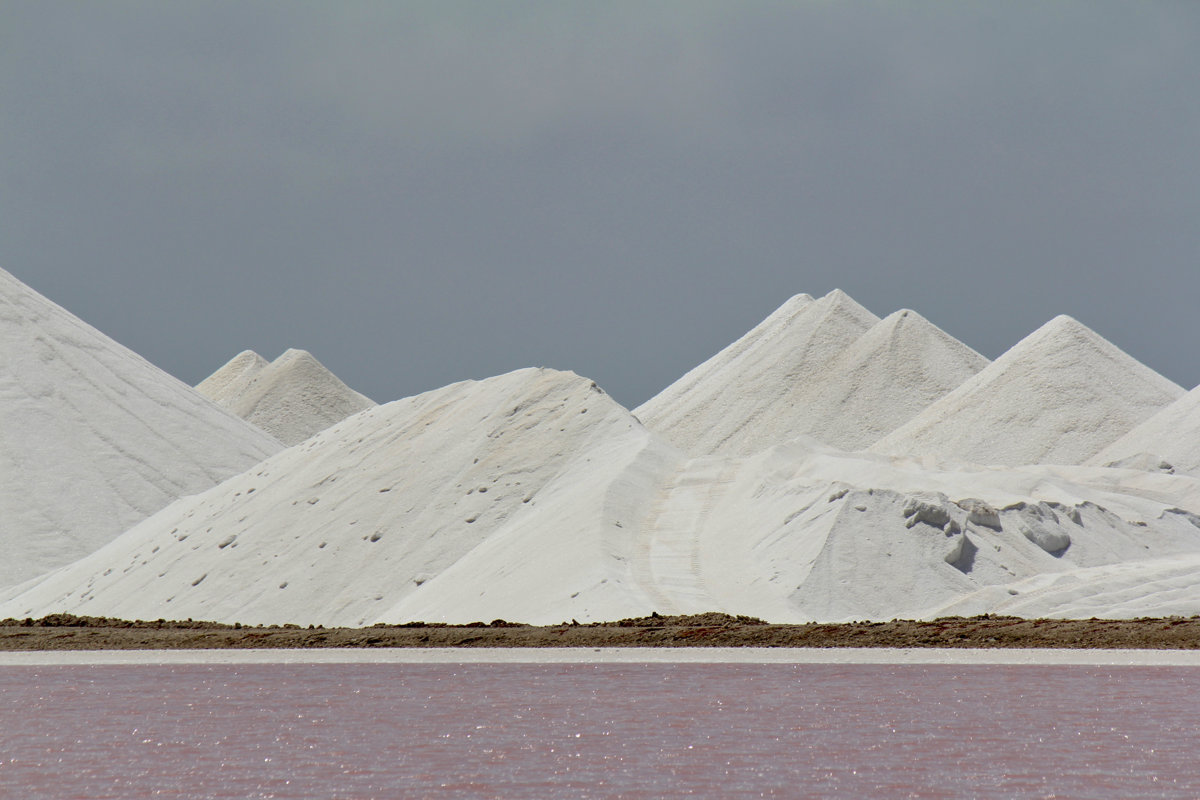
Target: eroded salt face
95, 438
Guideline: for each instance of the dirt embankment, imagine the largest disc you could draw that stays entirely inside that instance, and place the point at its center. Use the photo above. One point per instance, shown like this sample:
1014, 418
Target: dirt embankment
68, 632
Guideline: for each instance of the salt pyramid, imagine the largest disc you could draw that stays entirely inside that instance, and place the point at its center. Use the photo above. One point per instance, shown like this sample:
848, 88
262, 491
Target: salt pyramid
95, 438
889, 374
1171, 438
290, 398
746, 397
1057, 397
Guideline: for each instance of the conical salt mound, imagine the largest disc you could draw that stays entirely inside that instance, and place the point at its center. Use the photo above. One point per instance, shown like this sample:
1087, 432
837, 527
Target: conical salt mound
1172, 436
900, 366
291, 398
342, 527
1057, 397
227, 384
93, 438
745, 398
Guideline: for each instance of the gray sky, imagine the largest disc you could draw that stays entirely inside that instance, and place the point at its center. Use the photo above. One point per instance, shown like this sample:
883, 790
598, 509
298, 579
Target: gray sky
424, 192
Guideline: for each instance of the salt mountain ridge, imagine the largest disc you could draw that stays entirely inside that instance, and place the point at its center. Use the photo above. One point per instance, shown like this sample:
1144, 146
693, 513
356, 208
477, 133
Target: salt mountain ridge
534, 496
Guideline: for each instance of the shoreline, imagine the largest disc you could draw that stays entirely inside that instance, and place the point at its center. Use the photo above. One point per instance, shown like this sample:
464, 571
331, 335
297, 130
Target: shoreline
843, 656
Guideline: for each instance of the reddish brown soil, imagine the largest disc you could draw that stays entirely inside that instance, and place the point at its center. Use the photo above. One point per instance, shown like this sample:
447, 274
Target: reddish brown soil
67, 632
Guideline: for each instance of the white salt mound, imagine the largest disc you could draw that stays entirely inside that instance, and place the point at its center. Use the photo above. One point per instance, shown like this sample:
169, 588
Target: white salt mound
94, 437
747, 397
290, 398
889, 374
1168, 440
534, 497
1057, 397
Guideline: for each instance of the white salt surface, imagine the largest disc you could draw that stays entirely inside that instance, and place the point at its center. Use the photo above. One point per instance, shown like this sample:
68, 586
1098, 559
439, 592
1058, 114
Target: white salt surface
534, 497
613, 655
1057, 397
1171, 436
95, 438
749, 395
290, 398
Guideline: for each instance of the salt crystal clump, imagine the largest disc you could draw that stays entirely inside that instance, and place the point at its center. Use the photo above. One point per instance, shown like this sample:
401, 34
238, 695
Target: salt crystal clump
1057, 397
1172, 436
95, 438
291, 398
747, 397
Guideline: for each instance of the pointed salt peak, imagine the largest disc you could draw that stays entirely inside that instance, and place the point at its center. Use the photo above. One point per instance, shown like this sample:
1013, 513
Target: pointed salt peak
1062, 331
843, 305
897, 317
247, 359
797, 301
295, 354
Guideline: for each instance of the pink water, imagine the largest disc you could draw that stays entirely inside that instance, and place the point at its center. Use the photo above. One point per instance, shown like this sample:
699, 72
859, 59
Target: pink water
580, 731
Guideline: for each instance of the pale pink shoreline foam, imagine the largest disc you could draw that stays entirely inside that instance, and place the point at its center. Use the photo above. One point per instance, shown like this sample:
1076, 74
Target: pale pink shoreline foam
614, 655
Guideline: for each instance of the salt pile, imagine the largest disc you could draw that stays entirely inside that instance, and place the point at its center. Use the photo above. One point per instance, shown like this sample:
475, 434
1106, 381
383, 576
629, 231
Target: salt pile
534, 497
1057, 397
1169, 440
95, 438
290, 398
746, 397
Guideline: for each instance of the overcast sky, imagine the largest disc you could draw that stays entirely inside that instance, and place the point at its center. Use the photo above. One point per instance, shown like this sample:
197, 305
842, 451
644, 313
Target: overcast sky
420, 193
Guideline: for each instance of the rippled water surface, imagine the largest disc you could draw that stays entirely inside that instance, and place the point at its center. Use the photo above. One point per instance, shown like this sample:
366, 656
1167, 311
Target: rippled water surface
609, 730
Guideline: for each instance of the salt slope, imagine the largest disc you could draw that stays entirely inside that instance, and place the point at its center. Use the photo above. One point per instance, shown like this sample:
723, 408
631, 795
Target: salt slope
349, 523
290, 398
384, 518
746, 397
1058, 396
1171, 436
900, 366
93, 438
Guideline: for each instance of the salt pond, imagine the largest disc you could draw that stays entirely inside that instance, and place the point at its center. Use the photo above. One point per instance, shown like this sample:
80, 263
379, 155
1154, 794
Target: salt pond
634, 730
